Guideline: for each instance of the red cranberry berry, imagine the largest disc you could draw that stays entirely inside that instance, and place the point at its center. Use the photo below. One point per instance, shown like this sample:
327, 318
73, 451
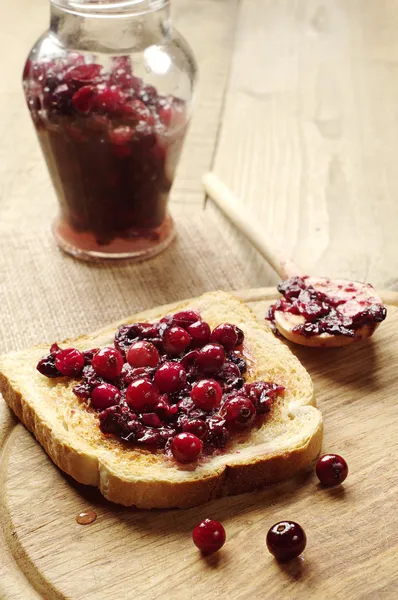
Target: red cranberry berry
46, 366
286, 540
109, 100
165, 410
240, 334
239, 412
225, 335
189, 359
83, 99
195, 426
143, 354
104, 395
186, 447
108, 363
83, 73
206, 394
200, 333
211, 358
185, 318
142, 395
69, 362
170, 377
89, 355
151, 420
209, 536
331, 469
176, 340
230, 376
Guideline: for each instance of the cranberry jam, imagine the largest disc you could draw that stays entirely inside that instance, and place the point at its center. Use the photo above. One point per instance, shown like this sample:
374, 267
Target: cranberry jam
336, 308
111, 143
160, 387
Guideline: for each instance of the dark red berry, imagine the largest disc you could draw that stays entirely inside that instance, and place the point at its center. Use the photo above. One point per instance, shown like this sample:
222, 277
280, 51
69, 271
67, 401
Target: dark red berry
83, 73
46, 366
226, 335
239, 412
206, 394
69, 362
186, 447
164, 410
89, 355
109, 100
142, 395
151, 420
240, 334
189, 360
170, 377
143, 354
200, 333
209, 536
185, 318
211, 358
331, 469
230, 376
104, 395
108, 363
195, 426
83, 99
286, 540
176, 340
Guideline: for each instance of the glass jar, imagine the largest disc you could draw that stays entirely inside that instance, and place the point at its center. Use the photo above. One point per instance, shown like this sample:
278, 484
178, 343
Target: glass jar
109, 88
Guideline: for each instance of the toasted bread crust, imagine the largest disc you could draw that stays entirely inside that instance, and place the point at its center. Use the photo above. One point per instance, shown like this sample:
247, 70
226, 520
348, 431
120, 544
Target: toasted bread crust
159, 487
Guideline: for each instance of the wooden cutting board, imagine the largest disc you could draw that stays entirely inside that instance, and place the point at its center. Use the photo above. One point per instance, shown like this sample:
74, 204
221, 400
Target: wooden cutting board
352, 549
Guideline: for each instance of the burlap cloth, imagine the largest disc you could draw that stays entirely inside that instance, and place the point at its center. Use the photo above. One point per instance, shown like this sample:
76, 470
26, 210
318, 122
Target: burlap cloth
46, 295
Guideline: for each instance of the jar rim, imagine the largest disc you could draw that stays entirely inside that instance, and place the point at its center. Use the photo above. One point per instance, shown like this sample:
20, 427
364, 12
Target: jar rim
109, 8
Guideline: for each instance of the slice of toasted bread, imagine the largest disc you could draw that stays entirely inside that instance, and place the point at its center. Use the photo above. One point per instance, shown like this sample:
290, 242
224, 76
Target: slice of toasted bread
288, 441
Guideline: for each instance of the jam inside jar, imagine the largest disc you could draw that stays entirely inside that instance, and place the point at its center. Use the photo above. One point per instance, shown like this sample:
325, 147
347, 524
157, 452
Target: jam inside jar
109, 89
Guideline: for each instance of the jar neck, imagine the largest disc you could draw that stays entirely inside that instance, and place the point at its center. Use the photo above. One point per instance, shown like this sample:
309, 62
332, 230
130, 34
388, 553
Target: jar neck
113, 27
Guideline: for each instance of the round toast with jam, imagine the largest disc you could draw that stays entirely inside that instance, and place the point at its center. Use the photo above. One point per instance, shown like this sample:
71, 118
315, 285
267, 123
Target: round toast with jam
128, 453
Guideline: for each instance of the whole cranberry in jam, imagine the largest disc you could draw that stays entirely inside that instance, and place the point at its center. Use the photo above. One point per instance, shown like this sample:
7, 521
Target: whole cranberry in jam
209, 536
170, 377
211, 358
226, 335
104, 395
331, 469
108, 363
200, 333
142, 354
206, 394
142, 395
186, 447
239, 412
286, 540
69, 362
185, 318
176, 340
195, 426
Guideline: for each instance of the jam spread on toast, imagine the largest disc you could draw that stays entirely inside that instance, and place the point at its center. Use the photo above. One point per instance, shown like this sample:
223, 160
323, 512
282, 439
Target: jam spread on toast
174, 385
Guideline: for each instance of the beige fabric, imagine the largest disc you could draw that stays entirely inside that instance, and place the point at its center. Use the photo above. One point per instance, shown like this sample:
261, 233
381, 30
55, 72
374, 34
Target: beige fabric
47, 296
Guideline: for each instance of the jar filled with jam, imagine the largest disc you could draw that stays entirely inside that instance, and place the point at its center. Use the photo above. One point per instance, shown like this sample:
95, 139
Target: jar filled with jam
109, 88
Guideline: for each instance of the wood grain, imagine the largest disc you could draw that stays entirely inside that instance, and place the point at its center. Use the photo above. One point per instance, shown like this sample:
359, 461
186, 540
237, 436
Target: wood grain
309, 131
352, 550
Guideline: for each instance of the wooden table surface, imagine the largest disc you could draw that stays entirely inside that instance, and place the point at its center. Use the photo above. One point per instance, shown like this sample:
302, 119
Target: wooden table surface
296, 110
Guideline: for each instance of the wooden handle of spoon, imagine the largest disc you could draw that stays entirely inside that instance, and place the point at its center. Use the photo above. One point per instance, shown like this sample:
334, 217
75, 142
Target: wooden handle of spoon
229, 205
